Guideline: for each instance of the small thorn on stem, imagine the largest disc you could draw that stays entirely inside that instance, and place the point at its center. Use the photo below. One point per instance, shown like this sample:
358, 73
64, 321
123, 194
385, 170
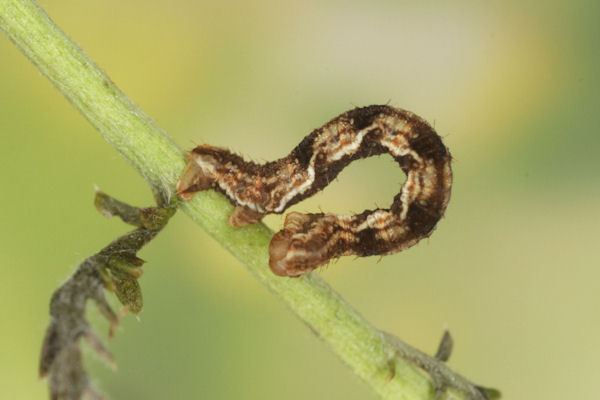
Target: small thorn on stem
445, 347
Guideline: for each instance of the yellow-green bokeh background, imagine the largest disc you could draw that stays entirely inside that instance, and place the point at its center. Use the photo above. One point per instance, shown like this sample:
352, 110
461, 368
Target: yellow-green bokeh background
513, 270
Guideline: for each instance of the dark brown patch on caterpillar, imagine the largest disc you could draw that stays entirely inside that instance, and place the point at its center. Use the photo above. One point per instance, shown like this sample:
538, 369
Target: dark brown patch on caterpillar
308, 241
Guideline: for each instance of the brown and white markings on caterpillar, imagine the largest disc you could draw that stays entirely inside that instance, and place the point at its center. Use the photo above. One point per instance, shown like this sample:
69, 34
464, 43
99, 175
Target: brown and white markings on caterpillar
308, 241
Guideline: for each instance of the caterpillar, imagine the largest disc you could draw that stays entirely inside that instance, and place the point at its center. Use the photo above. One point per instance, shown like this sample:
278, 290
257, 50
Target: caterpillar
308, 241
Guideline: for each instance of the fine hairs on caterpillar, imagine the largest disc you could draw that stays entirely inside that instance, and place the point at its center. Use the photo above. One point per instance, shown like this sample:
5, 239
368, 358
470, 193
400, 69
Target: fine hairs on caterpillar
308, 241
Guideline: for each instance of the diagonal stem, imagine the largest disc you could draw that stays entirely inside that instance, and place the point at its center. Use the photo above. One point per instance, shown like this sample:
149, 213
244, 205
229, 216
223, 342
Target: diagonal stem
160, 162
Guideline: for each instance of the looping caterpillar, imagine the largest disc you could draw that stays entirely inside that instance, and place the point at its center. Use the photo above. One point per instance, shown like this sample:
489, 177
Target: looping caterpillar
308, 241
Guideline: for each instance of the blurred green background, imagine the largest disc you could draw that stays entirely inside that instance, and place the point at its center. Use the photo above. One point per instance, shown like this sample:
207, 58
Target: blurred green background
513, 270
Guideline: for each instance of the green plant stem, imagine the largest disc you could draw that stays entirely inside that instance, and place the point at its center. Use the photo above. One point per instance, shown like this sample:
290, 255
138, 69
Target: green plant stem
151, 152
